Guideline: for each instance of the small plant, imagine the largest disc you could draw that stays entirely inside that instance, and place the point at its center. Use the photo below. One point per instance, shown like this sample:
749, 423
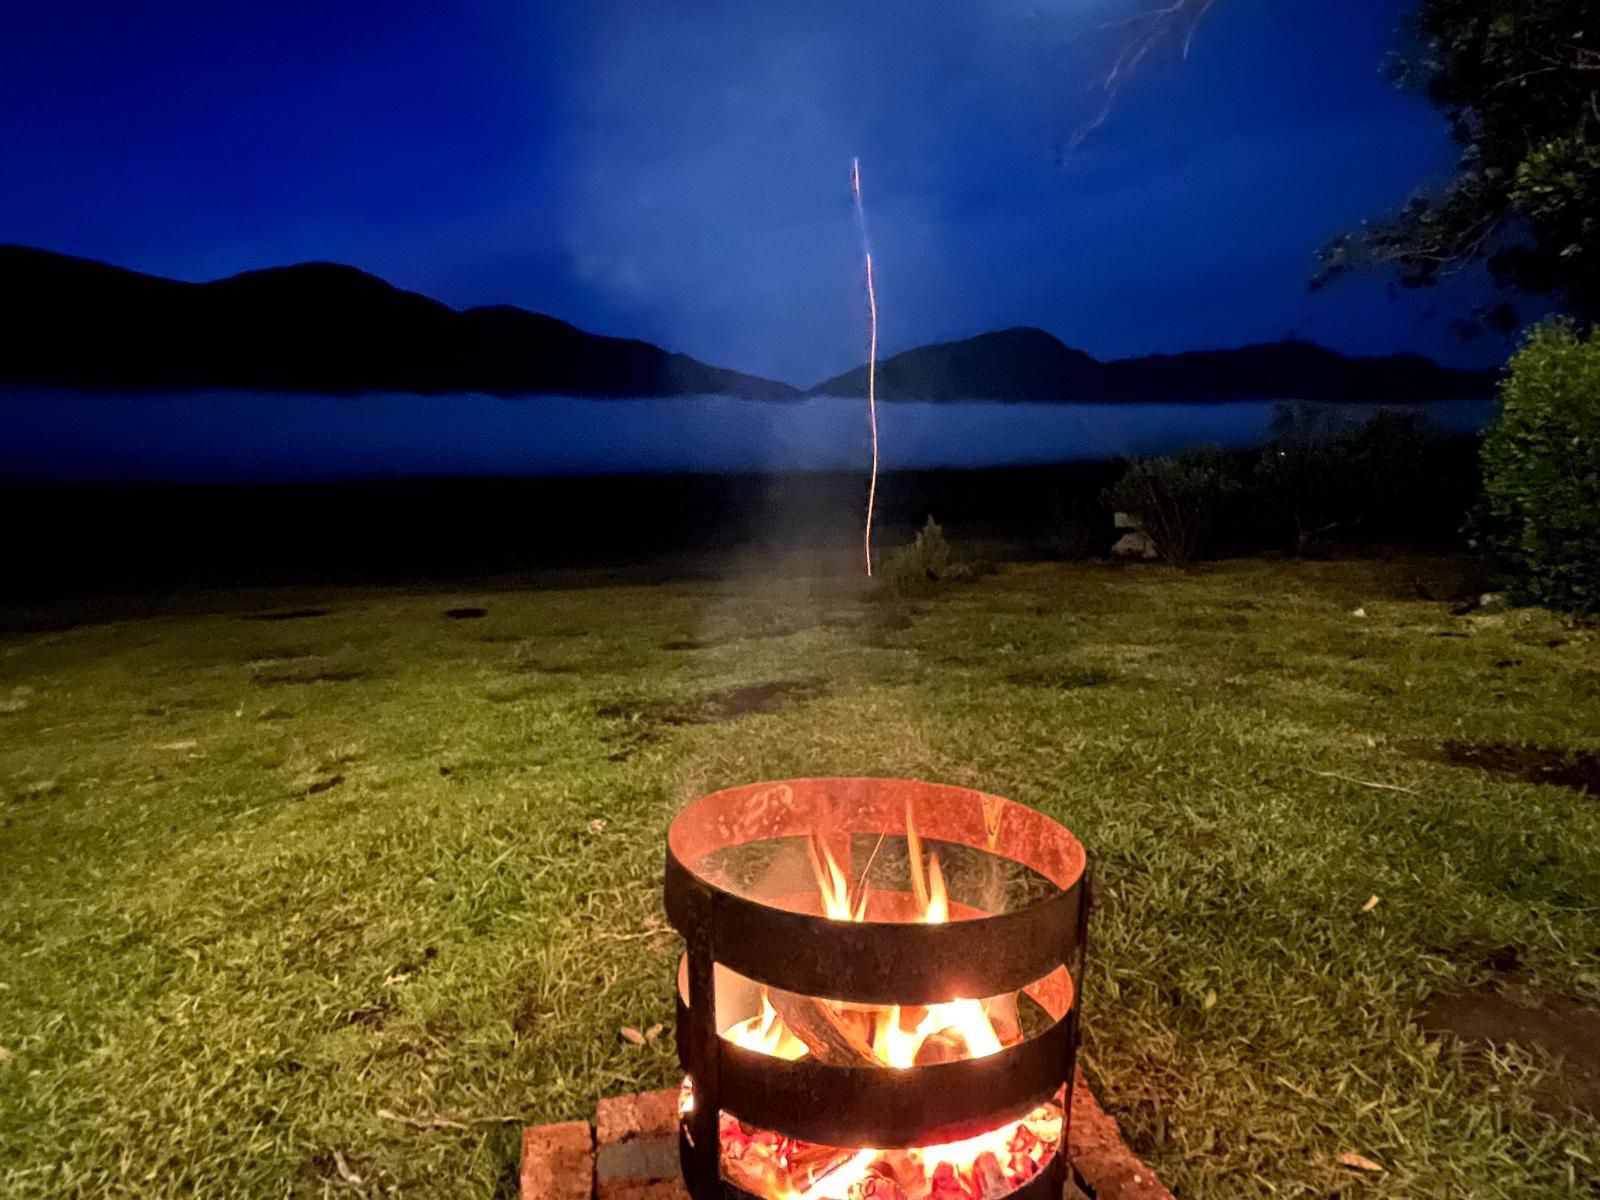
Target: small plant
1176, 499
917, 569
1541, 470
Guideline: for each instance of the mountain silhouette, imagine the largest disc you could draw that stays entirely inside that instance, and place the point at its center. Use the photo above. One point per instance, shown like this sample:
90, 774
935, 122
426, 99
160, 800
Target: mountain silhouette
315, 327
323, 327
1032, 365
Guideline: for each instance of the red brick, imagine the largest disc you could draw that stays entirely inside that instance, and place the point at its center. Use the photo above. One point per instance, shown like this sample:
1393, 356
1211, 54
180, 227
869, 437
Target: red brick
643, 1113
1101, 1156
636, 1139
558, 1162
632, 1189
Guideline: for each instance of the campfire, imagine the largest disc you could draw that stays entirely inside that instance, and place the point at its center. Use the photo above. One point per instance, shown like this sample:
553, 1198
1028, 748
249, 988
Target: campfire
878, 999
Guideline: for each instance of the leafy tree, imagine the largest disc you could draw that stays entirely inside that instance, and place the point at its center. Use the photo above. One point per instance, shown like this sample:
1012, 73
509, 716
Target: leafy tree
1177, 499
1142, 36
1541, 464
1519, 82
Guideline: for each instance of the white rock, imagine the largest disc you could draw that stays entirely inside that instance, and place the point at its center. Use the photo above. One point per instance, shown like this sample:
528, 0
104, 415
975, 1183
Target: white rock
1135, 545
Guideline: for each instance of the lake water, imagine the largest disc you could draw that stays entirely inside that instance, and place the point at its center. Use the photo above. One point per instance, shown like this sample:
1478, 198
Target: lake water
78, 435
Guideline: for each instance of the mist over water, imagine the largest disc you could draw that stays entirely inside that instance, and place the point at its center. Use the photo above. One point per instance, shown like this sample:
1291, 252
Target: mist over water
262, 437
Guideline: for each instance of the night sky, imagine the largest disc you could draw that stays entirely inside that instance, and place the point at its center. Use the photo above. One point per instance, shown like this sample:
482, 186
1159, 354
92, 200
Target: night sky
679, 172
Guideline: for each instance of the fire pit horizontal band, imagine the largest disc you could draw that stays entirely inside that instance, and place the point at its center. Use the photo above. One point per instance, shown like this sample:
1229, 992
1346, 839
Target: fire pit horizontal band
875, 962
1046, 1185
891, 1108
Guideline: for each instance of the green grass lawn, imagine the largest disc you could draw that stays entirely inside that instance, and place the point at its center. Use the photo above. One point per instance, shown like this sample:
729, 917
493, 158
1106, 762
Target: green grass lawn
264, 882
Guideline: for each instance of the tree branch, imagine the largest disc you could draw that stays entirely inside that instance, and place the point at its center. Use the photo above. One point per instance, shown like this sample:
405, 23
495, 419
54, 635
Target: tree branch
1154, 29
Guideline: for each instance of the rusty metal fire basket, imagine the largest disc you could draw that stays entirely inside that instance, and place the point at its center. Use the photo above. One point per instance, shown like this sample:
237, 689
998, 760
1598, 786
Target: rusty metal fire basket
801, 975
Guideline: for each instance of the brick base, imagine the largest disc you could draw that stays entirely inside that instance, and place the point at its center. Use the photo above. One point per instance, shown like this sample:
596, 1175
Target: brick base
631, 1153
558, 1161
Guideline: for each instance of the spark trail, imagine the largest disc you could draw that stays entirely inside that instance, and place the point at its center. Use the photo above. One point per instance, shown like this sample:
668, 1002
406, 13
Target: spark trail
872, 352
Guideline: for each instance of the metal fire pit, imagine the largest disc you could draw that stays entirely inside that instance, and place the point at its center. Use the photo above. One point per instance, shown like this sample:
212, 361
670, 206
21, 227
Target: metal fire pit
1036, 949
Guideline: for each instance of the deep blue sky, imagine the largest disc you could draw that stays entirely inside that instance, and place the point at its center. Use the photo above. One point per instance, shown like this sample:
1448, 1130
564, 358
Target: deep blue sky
679, 171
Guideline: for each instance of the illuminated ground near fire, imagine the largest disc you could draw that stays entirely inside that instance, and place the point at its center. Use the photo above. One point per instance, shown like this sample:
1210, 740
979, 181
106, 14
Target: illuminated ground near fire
280, 893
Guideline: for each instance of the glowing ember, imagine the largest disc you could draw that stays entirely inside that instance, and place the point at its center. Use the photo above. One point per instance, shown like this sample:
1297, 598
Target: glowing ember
984, 1167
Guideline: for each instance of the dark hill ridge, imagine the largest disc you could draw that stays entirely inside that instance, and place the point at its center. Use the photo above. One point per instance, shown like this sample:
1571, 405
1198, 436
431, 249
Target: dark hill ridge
316, 327
322, 327
1032, 365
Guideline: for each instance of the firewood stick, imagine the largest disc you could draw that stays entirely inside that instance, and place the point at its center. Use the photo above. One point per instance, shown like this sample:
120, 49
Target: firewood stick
825, 1034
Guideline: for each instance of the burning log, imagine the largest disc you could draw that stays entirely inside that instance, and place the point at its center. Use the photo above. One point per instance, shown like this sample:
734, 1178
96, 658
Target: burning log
828, 1033
1006, 1019
810, 1161
947, 1045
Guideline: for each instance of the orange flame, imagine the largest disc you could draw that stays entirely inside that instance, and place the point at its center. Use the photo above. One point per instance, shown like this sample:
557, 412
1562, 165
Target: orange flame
834, 884
766, 1034
967, 1020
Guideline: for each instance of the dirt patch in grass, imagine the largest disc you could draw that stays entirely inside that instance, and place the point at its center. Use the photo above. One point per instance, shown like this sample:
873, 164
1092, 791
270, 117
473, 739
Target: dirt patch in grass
557, 668
1503, 960
40, 789
1501, 1014
168, 708
1068, 679
511, 695
342, 666
287, 614
531, 657
774, 630
749, 700
466, 614
882, 620
639, 723
712, 708
1576, 769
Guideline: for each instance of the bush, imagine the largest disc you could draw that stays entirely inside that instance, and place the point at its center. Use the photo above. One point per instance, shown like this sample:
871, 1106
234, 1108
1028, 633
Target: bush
1324, 474
1541, 470
920, 567
1177, 499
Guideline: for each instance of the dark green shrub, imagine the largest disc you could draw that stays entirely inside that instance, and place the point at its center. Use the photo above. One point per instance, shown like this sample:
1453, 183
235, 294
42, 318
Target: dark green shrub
1541, 470
1325, 474
917, 569
1177, 499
